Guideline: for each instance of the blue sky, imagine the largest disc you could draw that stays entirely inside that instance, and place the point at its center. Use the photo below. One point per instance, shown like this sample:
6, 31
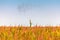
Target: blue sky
41, 12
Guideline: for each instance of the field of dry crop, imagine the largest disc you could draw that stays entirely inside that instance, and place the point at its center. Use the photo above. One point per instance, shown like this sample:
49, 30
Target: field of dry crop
29, 33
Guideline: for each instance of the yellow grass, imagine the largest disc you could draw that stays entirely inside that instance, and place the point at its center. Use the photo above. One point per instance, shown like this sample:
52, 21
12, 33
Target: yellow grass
29, 33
